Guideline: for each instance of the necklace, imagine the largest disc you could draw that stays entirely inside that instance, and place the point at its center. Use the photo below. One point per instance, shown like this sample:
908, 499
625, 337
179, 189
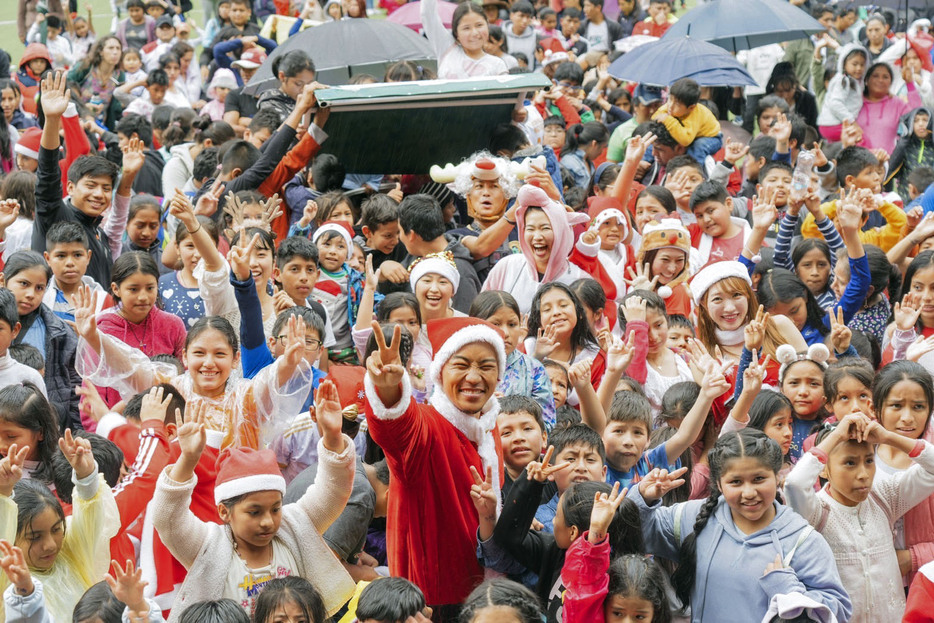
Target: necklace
130, 325
236, 549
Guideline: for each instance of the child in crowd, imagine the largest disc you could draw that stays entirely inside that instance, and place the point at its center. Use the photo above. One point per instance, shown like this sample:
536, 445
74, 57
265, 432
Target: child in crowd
56, 42
179, 289
844, 96
339, 287
522, 434
717, 235
144, 229
688, 121
68, 254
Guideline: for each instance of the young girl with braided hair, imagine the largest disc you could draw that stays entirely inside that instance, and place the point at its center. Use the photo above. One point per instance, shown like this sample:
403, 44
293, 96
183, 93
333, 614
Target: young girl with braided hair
740, 519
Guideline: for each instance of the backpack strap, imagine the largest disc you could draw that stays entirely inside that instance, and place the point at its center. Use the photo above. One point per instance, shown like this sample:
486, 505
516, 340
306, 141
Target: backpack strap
804, 534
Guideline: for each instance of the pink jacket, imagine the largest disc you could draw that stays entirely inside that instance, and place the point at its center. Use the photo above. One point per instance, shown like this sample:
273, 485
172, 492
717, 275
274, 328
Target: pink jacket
879, 120
586, 580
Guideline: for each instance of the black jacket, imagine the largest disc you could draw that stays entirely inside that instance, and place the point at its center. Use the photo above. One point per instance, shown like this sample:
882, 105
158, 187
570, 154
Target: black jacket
537, 551
51, 209
61, 378
149, 178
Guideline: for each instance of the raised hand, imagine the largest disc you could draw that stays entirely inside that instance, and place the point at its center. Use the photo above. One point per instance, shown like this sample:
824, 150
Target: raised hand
191, 435
86, 314
77, 451
128, 586
308, 213
11, 468
590, 237
484, 494
840, 334
546, 342
9, 211
327, 414
734, 151
781, 128
755, 373
155, 405
133, 157
53, 96
635, 149
579, 374
91, 404
701, 358
239, 255
919, 348
924, 229
754, 333
715, 384
908, 311
634, 309
541, 472
603, 512
658, 482
619, 354
16, 569
913, 217
850, 210
272, 209
180, 207
677, 184
207, 203
384, 365
295, 342
764, 211
639, 279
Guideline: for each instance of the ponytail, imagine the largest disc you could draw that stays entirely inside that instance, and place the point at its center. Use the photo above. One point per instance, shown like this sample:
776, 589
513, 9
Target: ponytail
583, 134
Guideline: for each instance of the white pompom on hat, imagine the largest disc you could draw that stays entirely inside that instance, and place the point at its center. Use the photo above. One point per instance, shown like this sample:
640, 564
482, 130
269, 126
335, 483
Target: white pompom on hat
245, 470
714, 273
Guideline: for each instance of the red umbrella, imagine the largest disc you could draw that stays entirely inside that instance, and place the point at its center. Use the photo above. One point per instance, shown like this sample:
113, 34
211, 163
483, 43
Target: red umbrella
409, 14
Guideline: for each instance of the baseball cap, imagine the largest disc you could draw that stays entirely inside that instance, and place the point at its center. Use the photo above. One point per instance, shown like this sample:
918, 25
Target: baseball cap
250, 59
647, 95
165, 20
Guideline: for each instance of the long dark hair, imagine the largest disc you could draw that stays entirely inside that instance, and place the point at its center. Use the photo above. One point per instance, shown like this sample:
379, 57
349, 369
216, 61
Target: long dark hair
896, 372
581, 337
748, 442
463, 9
625, 531
806, 246
217, 323
640, 577
32, 498
783, 286
24, 405
94, 56
488, 303
765, 406
98, 604
923, 260
583, 134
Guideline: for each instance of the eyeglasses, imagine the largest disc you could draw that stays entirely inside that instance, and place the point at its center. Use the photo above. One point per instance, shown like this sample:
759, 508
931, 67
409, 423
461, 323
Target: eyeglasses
310, 343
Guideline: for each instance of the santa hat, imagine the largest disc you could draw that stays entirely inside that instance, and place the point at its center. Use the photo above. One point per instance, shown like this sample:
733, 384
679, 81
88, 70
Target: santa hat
245, 470
715, 273
438, 263
786, 355
449, 335
349, 383
668, 233
555, 57
603, 209
28, 144
340, 227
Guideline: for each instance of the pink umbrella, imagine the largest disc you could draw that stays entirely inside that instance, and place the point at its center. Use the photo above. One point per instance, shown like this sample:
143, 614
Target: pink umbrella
409, 14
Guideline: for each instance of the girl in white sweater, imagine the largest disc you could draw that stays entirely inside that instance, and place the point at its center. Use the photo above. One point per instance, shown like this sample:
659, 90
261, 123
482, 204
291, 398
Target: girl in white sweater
259, 539
855, 511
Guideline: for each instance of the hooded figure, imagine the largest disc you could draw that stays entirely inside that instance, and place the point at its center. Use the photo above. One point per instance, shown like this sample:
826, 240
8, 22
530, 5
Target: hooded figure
27, 78
915, 148
919, 42
844, 95
548, 251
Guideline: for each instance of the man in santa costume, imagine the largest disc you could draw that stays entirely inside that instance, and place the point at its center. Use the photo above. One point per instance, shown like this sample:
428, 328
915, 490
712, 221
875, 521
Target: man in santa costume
432, 522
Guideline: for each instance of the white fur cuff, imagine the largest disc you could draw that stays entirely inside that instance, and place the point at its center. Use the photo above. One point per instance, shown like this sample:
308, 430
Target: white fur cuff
379, 409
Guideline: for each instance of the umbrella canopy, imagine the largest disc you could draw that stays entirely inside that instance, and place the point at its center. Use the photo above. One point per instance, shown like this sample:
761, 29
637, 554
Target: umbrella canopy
744, 24
341, 50
662, 62
409, 14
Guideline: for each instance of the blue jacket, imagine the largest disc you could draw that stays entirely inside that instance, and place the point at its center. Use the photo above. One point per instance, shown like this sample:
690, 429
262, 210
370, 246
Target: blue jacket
222, 49
729, 586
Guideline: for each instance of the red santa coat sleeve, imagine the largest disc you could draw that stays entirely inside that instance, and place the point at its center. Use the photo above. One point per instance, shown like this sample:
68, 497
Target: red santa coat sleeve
586, 580
76, 145
637, 367
432, 523
920, 607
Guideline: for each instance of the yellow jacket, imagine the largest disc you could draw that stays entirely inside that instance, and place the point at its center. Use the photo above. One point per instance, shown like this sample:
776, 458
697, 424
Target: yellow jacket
699, 122
883, 237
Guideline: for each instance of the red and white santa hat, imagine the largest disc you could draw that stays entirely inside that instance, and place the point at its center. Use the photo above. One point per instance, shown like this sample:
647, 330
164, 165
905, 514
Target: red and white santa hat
449, 335
340, 227
349, 383
245, 470
715, 273
28, 144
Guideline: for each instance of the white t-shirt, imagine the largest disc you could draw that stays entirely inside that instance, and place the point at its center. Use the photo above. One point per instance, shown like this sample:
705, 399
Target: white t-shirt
599, 37
244, 584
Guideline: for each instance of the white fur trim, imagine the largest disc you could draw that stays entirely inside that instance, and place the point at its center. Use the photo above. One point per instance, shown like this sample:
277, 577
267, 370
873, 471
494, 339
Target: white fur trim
437, 266
714, 273
248, 484
379, 409
463, 337
338, 229
108, 423
214, 438
22, 149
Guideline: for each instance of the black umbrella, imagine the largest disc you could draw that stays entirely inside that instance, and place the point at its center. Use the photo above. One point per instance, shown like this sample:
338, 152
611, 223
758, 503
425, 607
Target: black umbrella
341, 50
743, 24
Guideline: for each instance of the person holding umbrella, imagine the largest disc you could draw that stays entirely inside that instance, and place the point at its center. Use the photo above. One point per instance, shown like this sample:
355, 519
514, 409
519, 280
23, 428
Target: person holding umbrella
460, 52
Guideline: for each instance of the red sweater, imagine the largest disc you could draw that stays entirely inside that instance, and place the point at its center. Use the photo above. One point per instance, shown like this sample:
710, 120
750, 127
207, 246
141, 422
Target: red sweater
432, 523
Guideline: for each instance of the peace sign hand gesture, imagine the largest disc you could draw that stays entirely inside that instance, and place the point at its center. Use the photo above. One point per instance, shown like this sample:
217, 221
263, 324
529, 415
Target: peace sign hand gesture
604, 510
658, 482
11, 468
540, 472
483, 494
77, 450
239, 255
754, 333
840, 334
14, 565
384, 365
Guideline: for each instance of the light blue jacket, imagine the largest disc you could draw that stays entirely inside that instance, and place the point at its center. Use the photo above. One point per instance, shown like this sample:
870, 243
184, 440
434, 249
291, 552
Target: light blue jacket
729, 586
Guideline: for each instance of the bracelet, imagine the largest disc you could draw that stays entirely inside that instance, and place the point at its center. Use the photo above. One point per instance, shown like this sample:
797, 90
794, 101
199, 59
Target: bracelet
919, 447
506, 218
195, 231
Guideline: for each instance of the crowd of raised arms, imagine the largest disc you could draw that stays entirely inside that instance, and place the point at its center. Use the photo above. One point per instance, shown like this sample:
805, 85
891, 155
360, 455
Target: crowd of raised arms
654, 354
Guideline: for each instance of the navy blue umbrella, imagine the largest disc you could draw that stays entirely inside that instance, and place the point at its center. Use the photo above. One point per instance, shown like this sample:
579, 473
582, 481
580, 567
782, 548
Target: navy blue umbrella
662, 62
743, 24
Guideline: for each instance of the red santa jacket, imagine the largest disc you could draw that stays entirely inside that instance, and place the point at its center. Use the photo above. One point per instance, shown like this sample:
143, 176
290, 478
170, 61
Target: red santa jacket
920, 607
431, 523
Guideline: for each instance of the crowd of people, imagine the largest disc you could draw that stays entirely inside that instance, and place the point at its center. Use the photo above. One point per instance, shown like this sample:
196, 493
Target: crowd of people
652, 354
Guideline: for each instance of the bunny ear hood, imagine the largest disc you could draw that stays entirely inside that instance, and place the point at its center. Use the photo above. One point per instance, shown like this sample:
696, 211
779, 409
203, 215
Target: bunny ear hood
562, 224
